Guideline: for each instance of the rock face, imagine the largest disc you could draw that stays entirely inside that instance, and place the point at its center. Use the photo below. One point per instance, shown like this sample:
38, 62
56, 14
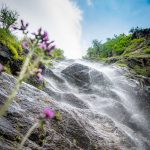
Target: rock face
81, 128
6, 58
70, 133
84, 76
5, 54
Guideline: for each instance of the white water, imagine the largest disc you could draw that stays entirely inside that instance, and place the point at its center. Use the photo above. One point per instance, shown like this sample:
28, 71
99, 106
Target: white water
117, 101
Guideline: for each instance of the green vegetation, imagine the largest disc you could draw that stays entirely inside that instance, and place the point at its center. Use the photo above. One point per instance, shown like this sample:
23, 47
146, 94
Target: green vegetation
13, 52
8, 17
121, 45
58, 54
112, 47
118, 49
11, 42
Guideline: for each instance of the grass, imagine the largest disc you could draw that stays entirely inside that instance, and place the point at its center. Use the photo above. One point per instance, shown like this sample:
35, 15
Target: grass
10, 41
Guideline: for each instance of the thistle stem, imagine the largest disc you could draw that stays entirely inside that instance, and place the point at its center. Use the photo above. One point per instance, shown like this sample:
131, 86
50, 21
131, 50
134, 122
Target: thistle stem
9, 101
27, 135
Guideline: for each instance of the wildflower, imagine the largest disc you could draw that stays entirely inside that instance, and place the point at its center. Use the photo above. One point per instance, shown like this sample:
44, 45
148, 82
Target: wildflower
23, 27
39, 76
50, 48
1, 68
39, 31
43, 46
15, 28
45, 38
49, 113
25, 45
39, 70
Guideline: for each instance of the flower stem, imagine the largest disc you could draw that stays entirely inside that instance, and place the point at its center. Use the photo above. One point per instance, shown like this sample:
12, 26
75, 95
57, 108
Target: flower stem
9, 101
27, 135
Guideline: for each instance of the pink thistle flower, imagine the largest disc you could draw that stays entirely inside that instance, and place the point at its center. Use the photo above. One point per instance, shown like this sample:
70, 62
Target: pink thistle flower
1, 68
49, 43
24, 27
25, 45
51, 48
49, 113
45, 38
42, 46
39, 76
39, 31
45, 34
39, 70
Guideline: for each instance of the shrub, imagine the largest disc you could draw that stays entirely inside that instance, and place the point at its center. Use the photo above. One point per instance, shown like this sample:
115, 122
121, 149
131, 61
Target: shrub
137, 41
8, 17
58, 53
140, 70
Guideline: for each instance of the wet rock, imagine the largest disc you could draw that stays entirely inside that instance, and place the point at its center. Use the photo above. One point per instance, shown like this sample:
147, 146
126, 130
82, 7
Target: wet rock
49, 73
15, 66
78, 74
84, 76
33, 80
78, 129
74, 100
5, 54
112, 60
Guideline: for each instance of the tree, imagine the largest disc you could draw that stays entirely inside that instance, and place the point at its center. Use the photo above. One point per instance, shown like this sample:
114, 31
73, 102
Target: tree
97, 46
7, 17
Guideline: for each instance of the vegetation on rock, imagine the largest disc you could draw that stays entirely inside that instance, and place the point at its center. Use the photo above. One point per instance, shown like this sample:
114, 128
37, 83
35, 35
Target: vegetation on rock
131, 50
7, 17
11, 42
26, 58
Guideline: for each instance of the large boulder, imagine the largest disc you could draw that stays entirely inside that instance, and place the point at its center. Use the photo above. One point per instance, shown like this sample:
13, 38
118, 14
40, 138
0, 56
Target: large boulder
78, 74
84, 76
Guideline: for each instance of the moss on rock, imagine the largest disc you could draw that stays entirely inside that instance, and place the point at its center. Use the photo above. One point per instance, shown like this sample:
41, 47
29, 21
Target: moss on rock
9, 40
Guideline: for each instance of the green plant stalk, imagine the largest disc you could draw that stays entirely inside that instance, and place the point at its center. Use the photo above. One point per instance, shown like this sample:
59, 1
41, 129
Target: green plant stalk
9, 101
27, 135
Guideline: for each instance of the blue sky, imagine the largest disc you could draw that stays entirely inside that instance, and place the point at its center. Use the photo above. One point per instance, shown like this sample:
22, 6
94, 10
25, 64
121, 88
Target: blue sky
104, 18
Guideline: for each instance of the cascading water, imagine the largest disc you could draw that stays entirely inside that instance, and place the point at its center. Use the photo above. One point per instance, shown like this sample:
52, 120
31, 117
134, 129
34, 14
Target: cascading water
94, 91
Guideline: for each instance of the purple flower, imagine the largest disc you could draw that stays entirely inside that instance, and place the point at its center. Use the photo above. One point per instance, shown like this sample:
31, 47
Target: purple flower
51, 48
45, 38
42, 45
15, 28
49, 43
45, 34
25, 45
49, 113
24, 27
39, 76
39, 70
1, 68
39, 31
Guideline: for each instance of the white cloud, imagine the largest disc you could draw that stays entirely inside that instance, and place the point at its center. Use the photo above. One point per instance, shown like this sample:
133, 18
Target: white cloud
61, 18
89, 2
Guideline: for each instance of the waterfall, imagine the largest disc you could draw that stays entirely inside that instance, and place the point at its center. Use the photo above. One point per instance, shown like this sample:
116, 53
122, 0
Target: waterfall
93, 91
